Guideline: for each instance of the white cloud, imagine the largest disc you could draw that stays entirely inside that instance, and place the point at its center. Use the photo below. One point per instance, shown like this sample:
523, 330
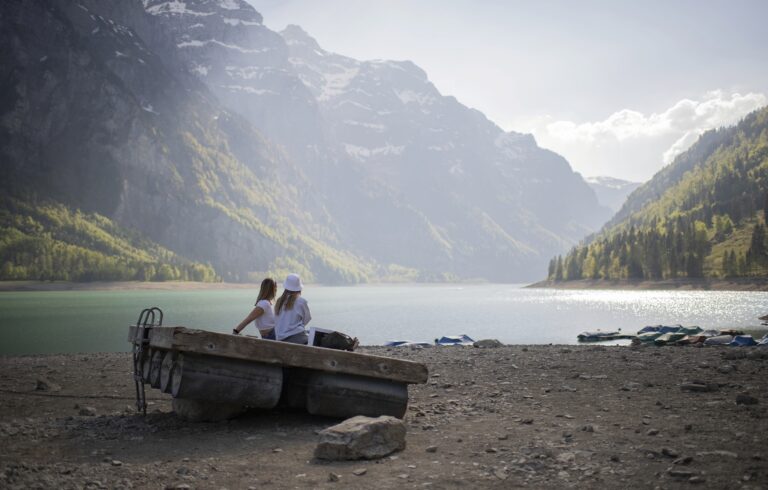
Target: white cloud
668, 133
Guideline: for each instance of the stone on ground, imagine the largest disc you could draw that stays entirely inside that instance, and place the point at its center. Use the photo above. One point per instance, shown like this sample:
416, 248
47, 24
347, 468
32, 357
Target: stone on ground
488, 344
46, 385
361, 438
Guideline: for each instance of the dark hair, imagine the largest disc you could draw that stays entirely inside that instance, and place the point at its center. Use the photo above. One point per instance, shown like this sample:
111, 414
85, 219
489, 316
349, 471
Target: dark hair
268, 290
287, 299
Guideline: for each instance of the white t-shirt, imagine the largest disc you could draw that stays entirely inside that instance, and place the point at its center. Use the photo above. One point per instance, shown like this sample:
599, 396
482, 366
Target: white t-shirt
267, 319
290, 322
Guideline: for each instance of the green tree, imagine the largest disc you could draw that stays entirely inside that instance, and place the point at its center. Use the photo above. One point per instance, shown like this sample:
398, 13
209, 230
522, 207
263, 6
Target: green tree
559, 269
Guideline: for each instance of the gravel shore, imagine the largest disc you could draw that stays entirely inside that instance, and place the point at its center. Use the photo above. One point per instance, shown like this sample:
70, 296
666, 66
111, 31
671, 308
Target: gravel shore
535, 416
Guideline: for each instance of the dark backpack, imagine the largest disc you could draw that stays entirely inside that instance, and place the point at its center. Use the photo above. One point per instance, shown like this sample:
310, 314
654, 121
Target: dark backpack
339, 341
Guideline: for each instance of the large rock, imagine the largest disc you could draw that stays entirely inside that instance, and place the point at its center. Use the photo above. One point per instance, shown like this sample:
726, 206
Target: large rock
204, 411
46, 385
488, 344
362, 438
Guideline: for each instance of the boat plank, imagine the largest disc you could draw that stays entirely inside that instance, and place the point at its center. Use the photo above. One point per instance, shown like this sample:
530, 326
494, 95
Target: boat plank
289, 355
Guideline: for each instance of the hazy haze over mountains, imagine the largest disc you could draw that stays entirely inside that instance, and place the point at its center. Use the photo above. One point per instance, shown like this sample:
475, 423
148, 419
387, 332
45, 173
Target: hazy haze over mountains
612, 192
617, 88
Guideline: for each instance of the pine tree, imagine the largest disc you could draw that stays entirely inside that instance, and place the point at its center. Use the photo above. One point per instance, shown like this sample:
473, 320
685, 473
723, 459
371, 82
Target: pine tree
559, 269
551, 270
757, 254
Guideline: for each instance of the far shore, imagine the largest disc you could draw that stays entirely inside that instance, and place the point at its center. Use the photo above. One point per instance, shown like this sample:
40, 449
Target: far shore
753, 284
119, 285
8, 286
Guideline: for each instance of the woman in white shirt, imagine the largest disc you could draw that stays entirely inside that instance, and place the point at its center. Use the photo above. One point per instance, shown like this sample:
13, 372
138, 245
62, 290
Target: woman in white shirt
292, 312
262, 314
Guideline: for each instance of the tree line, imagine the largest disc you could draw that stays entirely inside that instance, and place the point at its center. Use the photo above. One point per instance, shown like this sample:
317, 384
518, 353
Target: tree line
49, 242
710, 223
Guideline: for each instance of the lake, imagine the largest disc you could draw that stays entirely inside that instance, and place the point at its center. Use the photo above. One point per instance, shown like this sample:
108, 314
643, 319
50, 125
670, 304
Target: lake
97, 321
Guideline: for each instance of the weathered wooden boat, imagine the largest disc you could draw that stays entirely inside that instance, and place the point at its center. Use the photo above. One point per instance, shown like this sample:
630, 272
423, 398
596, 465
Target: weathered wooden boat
212, 367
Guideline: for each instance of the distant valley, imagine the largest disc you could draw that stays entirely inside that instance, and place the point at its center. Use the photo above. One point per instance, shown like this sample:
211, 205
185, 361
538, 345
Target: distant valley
612, 192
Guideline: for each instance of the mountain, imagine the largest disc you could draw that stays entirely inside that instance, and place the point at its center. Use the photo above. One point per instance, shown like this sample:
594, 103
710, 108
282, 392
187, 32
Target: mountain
704, 215
382, 146
610, 191
194, 126
96, 118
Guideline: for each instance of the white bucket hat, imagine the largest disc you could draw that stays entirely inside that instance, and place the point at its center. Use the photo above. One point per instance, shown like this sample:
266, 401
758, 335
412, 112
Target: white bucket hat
292, 283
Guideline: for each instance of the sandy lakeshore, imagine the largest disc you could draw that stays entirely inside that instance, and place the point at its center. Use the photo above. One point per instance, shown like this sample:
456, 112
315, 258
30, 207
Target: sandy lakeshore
537, 416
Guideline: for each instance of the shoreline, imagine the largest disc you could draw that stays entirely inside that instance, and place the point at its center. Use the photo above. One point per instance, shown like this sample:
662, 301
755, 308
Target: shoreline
21, 286
755, 284
536, 416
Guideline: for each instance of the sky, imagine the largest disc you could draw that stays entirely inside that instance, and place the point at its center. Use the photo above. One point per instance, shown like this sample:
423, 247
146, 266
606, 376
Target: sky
617, 87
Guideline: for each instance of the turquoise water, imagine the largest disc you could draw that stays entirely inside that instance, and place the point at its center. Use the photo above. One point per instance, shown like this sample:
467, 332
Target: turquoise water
97, 321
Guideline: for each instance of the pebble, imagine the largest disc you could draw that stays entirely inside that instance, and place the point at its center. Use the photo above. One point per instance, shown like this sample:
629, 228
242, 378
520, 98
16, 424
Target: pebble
652, 432
725, 369
733, 354
359, 472
631, 386
669, 452
333, 477
566, 457
46, 385
696, 387
744, 399
431, 449
719, 453
686, 460
87, 411
680, 473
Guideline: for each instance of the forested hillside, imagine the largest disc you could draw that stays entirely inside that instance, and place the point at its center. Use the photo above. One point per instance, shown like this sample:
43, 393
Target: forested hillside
48, 241
703, 216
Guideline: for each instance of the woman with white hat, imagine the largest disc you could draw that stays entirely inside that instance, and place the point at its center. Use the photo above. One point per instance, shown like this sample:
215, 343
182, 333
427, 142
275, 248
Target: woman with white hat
292, 312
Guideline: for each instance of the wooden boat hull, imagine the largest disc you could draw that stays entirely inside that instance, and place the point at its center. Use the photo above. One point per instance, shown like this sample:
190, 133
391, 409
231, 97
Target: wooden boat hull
207, 367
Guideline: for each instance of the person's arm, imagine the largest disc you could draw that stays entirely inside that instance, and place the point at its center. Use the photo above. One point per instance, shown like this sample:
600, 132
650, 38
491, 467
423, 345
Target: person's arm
254, 314
306, 316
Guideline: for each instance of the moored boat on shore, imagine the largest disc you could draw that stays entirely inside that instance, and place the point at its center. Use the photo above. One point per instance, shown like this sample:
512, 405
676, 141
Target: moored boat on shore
216, 368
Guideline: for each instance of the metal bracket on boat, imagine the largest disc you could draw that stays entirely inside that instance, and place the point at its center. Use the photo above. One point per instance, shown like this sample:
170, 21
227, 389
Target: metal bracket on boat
149, 317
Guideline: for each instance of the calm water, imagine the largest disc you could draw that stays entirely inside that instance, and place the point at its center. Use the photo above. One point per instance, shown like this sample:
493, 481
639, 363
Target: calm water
97, 321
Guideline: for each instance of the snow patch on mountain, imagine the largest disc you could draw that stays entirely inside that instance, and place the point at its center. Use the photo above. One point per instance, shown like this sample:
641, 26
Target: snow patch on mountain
197, 44
175, 7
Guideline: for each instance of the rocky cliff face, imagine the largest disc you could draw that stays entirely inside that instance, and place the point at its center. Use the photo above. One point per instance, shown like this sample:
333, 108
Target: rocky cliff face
260, 151
94, 117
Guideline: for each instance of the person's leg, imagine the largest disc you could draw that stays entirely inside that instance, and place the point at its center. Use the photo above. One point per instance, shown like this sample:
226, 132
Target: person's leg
299, 338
